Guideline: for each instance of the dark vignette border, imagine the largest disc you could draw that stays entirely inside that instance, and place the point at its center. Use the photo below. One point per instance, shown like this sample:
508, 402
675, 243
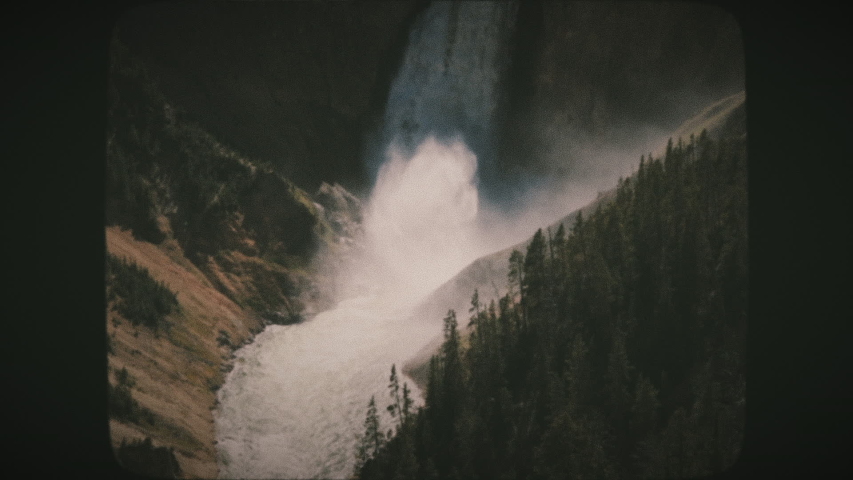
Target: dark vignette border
798, 413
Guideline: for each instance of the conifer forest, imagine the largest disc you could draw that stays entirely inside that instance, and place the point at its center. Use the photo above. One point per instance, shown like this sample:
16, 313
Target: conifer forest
617, 353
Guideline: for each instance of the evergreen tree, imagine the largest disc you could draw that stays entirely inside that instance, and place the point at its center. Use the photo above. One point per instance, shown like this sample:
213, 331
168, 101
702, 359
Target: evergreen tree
515, 275
475, 306
618, 351
452, 374
533, 285
407, 467
372, 440
396, 408
407, 402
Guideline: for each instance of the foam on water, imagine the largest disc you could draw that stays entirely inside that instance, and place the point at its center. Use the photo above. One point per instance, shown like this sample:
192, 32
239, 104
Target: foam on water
294, 404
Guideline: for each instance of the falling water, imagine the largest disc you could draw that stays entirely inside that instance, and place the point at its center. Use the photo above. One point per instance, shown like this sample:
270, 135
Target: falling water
294, 404
448, 84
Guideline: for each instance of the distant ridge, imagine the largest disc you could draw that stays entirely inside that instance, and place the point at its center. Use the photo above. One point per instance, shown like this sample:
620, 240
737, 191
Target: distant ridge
715, 118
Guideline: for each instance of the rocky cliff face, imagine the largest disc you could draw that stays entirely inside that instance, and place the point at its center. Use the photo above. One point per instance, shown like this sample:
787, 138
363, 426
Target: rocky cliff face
343, 211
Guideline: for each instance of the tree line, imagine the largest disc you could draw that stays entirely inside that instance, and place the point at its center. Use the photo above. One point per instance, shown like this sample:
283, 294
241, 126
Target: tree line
618, 351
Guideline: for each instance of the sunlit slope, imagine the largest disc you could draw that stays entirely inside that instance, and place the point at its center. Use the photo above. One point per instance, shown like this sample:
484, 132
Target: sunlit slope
174, 372
231, 239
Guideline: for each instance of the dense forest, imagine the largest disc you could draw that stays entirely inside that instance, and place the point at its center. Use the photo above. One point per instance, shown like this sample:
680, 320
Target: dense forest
617, 353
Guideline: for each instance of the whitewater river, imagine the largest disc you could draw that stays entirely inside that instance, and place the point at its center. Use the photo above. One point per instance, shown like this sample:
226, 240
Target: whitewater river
295, 402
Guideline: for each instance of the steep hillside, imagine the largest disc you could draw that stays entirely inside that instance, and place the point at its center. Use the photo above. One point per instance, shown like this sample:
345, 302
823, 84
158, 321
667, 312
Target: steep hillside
204, 248
488, 275
618, 351
174, 373
610, 73
724, 116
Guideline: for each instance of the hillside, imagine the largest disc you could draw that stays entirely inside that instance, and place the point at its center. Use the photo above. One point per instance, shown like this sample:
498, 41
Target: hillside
488, 274
232, 127
619, 351
175, 374
228, 239
727, 115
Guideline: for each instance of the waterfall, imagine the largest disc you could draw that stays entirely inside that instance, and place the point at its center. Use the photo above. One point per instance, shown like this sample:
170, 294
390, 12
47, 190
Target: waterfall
293, 406
448, 83
422, 218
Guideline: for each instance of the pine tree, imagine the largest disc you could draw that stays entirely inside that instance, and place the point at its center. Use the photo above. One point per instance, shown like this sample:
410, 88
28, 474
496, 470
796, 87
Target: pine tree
407, 464
372, 440
515, 275
533, 285
644, 409
407, 402
452, 363
396, 408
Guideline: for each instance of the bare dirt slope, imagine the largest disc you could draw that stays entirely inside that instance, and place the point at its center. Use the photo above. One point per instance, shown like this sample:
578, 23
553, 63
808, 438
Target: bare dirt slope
175, 372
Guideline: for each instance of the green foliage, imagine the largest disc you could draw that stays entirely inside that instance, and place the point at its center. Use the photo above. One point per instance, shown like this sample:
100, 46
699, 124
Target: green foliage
373, 439
160, 164
223, 339
143, 458
135, 121
401, 405
122, 406
618, 352
139, 298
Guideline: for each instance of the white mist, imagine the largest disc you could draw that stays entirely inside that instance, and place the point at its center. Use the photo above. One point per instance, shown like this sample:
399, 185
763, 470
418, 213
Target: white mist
294, 404
421, 219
